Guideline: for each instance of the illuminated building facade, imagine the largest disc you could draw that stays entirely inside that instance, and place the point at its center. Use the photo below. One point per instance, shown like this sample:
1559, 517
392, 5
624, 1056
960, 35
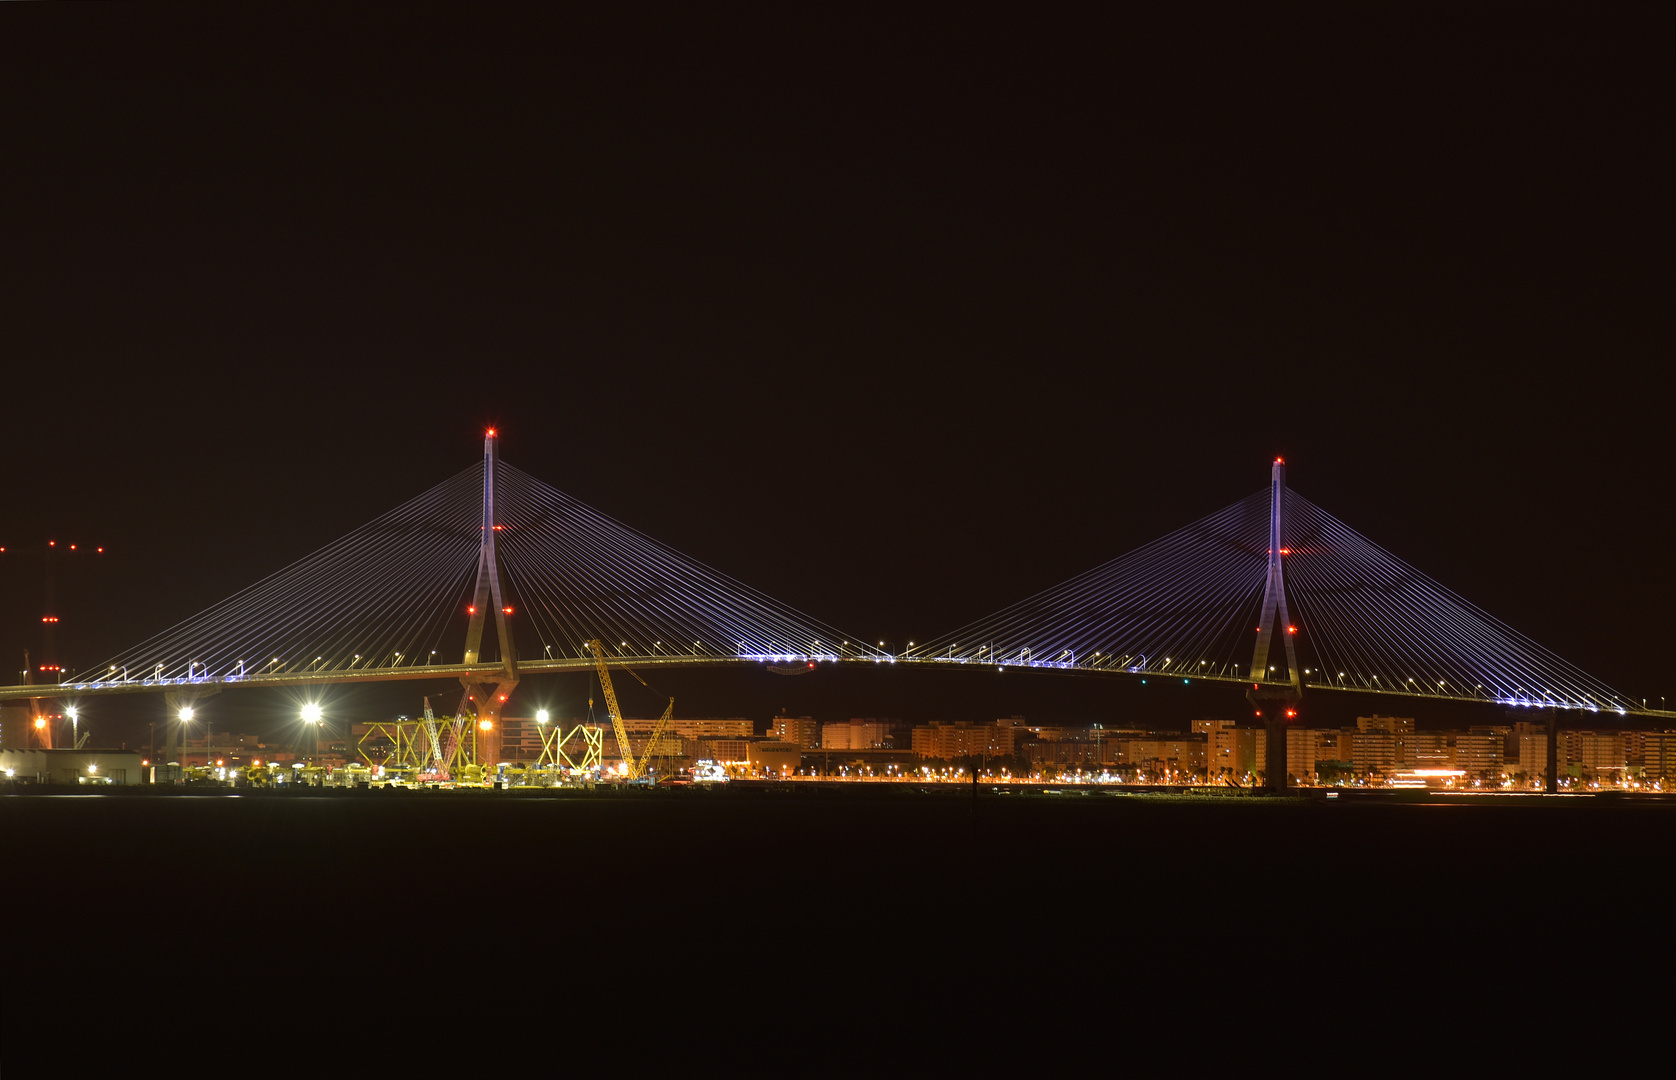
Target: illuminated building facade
1176, 753
1382, 744
1480, 753
1056, 751
963, 739
1655, 754
1598, 753
800, 730
774, 758
1228, 749
859, 735
1532, 741
72, 768
726, 751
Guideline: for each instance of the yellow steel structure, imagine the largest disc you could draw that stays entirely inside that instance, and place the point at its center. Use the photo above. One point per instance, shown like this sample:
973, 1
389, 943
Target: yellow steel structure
635, 768
553, 743
406, 743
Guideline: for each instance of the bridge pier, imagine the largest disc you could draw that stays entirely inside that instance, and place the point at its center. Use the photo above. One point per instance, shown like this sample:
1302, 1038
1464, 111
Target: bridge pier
1276, 770
487, 698
1277, 708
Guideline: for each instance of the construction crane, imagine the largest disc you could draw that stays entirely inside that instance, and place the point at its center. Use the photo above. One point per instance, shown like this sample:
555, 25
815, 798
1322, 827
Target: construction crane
436, 763
636, 769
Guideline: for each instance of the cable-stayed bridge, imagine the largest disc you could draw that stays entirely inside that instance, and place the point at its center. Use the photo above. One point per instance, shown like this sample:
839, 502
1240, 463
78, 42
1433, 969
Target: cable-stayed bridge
1272, 592
495, 547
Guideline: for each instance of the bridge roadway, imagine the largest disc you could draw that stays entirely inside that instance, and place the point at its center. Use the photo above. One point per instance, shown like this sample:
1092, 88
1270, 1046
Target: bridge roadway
488, 673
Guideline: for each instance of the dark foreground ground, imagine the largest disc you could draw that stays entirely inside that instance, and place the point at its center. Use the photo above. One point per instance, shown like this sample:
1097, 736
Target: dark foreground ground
666, 925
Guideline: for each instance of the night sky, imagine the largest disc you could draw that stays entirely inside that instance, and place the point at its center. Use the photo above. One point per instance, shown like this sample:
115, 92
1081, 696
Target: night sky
898, 320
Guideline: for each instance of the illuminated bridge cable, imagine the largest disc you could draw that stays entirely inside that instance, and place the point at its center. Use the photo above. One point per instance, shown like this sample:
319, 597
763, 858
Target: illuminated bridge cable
1187, 605
578, 572
1390, 627
396, 593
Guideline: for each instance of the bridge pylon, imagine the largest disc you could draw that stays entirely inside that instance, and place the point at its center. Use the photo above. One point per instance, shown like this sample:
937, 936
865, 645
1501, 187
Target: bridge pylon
488, 694
1276, 702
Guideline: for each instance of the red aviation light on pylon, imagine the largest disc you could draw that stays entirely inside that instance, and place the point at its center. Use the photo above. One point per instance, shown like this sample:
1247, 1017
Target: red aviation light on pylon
1291, 629
1286, 551
507, 610
471, 609
491, 433
1280, 461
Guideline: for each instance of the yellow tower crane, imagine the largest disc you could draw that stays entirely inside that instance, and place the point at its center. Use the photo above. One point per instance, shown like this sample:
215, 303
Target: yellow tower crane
636, 769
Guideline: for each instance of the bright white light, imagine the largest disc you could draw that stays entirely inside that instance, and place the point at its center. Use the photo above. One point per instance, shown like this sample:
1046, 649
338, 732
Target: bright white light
311, 713
70, 712
541, 716
186, 715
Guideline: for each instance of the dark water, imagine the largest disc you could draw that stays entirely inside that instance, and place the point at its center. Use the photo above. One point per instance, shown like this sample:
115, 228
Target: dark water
737, 910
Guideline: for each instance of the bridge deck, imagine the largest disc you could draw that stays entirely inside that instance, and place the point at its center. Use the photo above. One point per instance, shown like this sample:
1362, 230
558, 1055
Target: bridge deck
336, 676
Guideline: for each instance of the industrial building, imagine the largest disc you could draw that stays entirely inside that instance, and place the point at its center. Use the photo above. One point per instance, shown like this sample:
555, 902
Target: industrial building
71, 767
